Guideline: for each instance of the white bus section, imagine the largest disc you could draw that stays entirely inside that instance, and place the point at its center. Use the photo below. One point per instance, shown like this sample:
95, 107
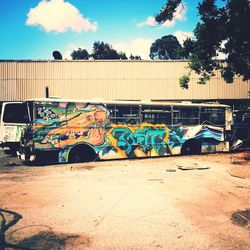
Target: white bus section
14, 118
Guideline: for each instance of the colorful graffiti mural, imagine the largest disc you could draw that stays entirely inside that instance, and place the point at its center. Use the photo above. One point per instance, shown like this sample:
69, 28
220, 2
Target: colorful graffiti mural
137, 141
62, 126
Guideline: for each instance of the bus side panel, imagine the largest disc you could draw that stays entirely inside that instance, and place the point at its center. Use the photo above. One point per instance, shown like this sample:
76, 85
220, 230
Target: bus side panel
215, 146
62, 126
151, 140
11, 132
211, 138
12, 124
131, 141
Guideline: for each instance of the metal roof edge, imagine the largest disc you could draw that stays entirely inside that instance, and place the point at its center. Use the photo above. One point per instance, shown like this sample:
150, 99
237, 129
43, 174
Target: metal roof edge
89, 61
124, 102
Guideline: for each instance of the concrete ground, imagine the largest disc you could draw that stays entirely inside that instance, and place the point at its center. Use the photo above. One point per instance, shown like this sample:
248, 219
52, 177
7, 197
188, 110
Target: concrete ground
186, 202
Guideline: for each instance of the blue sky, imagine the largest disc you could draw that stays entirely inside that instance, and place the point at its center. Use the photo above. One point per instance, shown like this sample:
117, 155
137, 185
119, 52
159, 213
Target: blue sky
33, 29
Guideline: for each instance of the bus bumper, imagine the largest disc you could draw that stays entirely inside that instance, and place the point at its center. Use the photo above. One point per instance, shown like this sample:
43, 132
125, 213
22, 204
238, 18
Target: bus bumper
24, 157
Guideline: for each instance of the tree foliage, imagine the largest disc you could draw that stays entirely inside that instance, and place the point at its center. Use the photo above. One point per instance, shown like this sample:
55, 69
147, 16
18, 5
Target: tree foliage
80, 54
166, 48
104, 51
167, 12
223, 29
132, 57
101, 51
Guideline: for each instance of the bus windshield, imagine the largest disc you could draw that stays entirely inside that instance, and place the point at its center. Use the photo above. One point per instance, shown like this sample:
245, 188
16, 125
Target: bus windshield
16, 113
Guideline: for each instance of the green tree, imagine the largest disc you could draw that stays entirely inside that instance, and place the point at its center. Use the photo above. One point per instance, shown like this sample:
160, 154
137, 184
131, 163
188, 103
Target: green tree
166, 48
167, 12
104, 51
80, 54
222, 29
132, 57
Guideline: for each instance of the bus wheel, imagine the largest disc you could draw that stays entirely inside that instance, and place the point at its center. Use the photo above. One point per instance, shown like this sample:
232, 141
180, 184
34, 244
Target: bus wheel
191, 147
82, 153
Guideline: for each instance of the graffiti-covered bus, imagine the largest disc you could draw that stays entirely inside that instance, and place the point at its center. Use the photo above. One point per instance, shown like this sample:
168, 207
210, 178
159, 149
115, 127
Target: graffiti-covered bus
77, 131
13, 119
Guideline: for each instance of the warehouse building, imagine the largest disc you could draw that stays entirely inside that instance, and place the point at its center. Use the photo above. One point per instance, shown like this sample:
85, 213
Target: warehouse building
114, 80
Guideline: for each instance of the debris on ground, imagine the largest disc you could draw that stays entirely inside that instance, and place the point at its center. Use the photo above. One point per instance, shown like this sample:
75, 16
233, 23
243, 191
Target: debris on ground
242, 218
85, 166
247, 158
241, 165
237, 176
241, 158
159, 180
170, 170
194, 167
12, 164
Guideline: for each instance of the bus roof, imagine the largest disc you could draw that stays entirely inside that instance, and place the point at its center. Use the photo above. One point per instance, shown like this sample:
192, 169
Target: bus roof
128, 102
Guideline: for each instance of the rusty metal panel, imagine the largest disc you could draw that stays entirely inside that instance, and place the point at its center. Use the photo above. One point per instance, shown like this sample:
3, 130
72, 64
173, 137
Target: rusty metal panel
7, 70
111, 80
8, 90
8, 81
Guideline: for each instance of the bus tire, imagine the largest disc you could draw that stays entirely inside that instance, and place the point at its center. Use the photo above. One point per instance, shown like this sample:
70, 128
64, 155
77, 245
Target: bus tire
191, 147
82, 153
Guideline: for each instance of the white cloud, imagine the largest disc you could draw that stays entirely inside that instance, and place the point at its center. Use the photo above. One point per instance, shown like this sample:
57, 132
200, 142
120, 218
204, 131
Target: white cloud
183, 35
150, 21
59, 16
179, 15
137, 47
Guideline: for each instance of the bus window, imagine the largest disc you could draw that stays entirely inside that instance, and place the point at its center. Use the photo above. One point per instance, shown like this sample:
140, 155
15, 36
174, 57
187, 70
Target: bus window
246, 118
156, 114
213, 115
149, 118
16, 113
124, 114
242, 116
186, 115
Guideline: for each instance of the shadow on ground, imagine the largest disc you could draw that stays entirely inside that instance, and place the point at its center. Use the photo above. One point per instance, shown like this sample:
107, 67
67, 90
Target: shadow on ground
49, 240
42, 240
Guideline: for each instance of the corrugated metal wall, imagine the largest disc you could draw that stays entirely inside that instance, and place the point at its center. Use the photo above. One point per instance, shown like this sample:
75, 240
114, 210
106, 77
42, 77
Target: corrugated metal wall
21, 80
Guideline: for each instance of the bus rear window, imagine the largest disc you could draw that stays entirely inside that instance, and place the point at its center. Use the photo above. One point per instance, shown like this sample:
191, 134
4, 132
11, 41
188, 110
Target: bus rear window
15, 113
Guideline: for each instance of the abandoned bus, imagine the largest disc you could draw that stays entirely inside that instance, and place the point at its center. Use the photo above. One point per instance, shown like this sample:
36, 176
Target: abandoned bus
77, 131
14, 118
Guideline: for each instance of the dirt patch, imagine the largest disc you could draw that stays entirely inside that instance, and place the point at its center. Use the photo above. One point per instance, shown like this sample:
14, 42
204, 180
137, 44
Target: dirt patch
150, 201
240, 165
242, 158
